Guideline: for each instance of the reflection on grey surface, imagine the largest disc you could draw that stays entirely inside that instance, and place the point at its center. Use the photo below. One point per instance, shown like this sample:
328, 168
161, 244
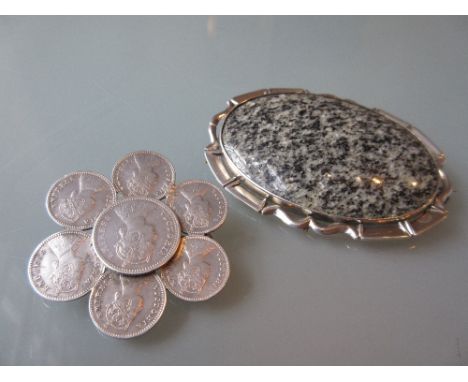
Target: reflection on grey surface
79, 93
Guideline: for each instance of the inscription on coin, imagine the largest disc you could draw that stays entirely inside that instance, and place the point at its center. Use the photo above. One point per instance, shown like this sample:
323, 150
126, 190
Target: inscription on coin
143, 173
77, 199
198, 271
200, 206
136, 235
123, 306
64, 266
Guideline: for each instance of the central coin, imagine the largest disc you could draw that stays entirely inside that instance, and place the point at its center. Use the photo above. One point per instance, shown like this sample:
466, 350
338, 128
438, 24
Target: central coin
136, 235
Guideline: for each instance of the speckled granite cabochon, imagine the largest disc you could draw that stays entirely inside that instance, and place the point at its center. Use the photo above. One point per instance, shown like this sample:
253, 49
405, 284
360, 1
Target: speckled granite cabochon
330, 156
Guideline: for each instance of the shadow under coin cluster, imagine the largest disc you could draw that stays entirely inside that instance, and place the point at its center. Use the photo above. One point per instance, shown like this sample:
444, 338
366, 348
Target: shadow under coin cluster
148, 234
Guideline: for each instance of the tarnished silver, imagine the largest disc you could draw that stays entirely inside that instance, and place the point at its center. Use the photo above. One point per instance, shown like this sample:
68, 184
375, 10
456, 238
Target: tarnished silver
64, 266
143, 173
124, 306
266, 203
75, 200
200, 206
136, 235
198, 271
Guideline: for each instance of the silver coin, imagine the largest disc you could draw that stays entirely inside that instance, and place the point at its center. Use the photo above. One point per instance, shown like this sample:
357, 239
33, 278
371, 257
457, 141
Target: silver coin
136, 235
200, 206
125, 306
198, 271
64, 266
76, 200
143, 173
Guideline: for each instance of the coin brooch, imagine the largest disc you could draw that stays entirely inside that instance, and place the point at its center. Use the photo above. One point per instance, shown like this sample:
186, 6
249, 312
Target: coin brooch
328, 165
150, 239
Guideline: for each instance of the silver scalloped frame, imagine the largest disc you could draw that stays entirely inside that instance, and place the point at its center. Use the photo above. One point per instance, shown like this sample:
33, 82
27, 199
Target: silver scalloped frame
293, 215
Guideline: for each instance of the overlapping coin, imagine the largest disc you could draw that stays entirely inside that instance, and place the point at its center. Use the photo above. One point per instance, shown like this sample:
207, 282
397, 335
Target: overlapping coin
124, 306
136, 235
198, 271
200, 206
64, 266
75, 200
143, 173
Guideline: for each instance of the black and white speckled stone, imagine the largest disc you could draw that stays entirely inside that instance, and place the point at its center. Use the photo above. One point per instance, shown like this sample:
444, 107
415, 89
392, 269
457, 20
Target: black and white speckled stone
330, 156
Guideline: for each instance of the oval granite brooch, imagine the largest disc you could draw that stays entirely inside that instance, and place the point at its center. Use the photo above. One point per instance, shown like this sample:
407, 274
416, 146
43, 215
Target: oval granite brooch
327, 164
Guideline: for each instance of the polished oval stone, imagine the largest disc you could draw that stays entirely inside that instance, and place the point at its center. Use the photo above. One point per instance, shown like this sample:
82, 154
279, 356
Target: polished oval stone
330, 156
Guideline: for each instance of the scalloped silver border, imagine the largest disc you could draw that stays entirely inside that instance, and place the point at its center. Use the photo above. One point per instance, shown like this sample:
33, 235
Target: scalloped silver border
293, 215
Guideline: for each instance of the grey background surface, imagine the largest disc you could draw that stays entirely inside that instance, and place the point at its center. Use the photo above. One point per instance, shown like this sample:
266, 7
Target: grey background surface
79, 93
